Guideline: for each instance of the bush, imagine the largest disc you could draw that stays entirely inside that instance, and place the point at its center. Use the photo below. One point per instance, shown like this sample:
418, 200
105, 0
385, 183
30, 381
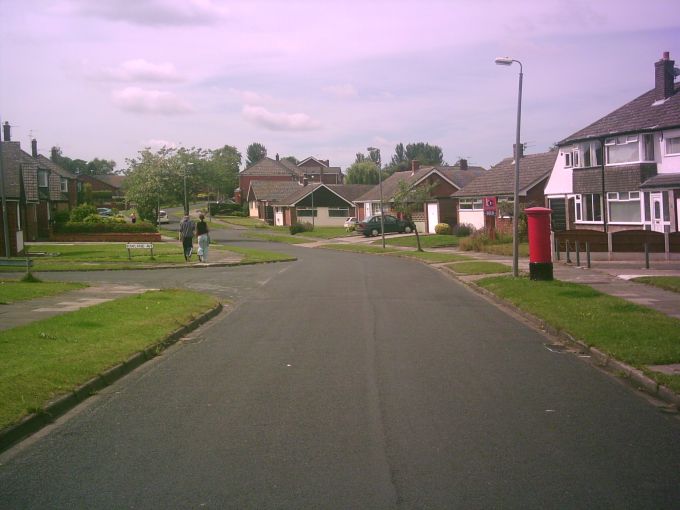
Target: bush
79, 213
442, 229
93, 218
62, 216
463, 230
225, 208
103, 227
301, 227
479, 239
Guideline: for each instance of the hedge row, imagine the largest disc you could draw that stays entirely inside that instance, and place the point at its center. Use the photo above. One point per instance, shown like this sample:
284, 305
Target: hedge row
100, 228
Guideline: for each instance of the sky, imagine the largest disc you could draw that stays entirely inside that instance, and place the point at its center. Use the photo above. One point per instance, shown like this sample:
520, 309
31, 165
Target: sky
325, 78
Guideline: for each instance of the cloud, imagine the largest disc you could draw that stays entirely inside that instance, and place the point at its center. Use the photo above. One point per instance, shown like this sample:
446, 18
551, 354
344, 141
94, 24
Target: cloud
250, 97
260, 116
138, 100
137, 70
153, 12
344, 91
156, 143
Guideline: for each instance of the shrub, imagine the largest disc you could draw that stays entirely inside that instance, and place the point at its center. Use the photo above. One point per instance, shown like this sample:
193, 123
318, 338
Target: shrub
296, 228
225, 208
463, 230
62, 216
442, 229
103, 227
79, 213
93, 218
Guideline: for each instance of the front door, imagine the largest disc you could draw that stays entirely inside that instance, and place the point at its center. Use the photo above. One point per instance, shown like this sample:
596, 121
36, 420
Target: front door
657, 212
432, 216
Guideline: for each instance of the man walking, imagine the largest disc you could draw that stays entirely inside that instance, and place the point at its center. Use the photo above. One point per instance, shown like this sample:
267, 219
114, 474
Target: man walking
186, 235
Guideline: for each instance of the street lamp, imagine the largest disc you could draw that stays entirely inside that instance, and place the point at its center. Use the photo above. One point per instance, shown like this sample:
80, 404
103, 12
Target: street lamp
507, 61
371, 150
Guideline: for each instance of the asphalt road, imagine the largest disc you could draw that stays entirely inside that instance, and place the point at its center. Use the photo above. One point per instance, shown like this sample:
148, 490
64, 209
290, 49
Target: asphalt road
351, 381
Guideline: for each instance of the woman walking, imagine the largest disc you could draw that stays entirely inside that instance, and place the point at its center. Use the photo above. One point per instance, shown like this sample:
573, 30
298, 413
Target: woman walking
203, 238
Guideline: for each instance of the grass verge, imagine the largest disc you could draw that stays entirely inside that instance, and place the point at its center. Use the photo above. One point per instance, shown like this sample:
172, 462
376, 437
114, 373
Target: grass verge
12, 291
255, 256
274, 238
426, 241
479, 267
432, 257
671, 283
634, 334
357, 248
51, 357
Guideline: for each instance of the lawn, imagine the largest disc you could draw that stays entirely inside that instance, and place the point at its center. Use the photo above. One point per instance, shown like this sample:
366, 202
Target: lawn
276, 238
51, 357
357, 248
12, 291
426, 241
97, 256
479, 267
671, 283
432, 257
631, 333
243, 221
254, 256
326, 232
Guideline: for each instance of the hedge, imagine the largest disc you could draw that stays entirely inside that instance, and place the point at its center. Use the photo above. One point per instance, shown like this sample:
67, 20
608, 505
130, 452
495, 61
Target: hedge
100, 228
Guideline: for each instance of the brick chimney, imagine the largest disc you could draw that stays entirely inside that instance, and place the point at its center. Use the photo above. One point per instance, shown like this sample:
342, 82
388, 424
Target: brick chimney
34, 148
6, 132
663, 77
277, 156
415, 165
463, 164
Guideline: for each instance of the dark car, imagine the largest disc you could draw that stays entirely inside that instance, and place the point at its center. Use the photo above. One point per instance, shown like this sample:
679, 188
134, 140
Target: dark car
371, 226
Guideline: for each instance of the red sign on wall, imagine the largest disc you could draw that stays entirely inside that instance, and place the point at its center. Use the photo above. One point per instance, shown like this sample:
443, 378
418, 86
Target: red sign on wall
489, 204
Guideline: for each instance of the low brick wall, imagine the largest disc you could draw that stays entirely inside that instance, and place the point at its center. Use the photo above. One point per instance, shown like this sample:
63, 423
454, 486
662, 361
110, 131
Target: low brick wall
134, 237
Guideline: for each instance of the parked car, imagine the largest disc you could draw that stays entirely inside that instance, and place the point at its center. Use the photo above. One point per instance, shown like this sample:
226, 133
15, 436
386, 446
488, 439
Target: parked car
371, 226
104, 211
351, 223
163, 217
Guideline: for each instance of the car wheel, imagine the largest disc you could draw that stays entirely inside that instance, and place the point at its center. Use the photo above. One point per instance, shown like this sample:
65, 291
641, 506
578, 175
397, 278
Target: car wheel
374, 232
407, 229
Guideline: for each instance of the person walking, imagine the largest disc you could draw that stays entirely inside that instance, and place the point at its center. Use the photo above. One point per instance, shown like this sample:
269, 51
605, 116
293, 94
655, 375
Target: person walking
186, 235
203, 238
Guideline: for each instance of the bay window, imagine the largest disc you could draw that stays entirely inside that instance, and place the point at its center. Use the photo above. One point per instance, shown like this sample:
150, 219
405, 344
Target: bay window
622, 149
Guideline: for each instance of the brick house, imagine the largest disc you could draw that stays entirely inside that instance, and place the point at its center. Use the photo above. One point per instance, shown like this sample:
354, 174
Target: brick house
445, 181
622, 172
262, 196
498, 184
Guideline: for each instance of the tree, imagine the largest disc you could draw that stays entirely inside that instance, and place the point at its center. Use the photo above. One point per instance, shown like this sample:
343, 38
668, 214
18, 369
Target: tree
81, 167
424, 153
362, 172
221, 175
254, 153
101, 166
408, 199
292, 159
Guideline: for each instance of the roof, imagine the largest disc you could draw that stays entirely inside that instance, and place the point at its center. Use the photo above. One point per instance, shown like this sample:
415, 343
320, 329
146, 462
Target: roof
662, 181
17, 164
47, 163
391, 184
272, 191
348, 192
500, 179
269, 166
317, 169
315, 160
460, 177
113, 180
641, 114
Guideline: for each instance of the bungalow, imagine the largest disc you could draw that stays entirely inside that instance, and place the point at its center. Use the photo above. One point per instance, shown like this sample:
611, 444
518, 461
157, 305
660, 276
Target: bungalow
263, 195
622, 172
444, 180
498, 185
327, 205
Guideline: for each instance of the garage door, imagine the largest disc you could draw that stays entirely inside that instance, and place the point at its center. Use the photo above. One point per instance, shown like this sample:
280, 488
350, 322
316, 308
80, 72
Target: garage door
432, 216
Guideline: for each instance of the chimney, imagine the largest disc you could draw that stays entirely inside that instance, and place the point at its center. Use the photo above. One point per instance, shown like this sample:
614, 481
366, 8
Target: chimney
415, 165
463, 164
305, 181
34, 148
277, 156
663, 78
521, 150
6, 135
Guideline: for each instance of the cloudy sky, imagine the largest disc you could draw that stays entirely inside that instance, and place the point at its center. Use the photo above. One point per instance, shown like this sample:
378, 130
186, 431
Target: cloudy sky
324, 78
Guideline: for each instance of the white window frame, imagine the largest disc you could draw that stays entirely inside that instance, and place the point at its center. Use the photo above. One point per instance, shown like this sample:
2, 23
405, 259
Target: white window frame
624, 196
314, 212
43, 176
568, 160
647, 140
338, 212
579, 210
476, 204
620, 141
666, 145
63, 183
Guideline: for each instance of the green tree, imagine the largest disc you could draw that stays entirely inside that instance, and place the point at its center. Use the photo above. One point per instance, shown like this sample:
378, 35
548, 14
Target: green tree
221, 177
81, 167
408, 199
101, 166
254, 153
424, 153
362, 172
149, 182
292, 159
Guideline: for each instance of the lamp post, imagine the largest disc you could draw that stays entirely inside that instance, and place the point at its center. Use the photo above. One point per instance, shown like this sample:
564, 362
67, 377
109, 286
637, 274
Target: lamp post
507, 61
382, 220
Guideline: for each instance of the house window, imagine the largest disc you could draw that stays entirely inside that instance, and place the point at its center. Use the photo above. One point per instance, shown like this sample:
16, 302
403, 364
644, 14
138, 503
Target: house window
42, 178
306, 212
624, 206
673, 146
64, 184
471, 204
592, 154
375, 208
338, 212
567, 160
648, 145
588, 207
622, 149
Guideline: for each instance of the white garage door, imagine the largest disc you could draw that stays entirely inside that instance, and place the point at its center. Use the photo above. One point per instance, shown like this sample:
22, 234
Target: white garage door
432, 216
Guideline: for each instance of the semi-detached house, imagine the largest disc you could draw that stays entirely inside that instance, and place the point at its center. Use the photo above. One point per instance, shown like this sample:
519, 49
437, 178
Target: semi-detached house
622, 172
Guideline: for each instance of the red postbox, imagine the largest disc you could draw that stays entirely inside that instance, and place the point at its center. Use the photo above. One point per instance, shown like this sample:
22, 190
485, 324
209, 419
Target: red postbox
540, 252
